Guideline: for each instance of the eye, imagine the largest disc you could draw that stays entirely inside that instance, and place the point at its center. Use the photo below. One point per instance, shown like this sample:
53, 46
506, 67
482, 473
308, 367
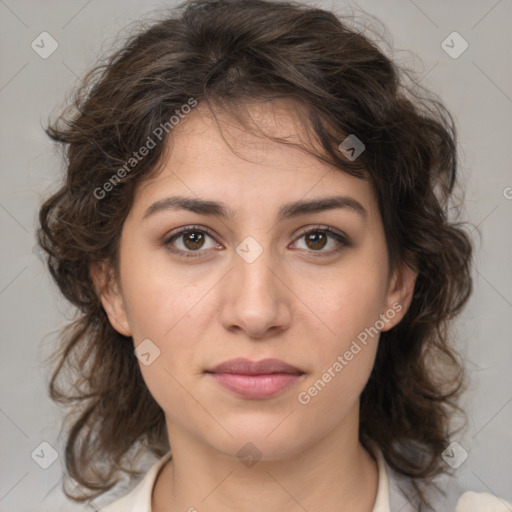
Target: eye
195, 239
189, 240
317, 239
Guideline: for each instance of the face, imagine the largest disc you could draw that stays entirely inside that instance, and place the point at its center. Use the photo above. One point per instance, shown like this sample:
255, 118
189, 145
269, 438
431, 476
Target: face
268, 278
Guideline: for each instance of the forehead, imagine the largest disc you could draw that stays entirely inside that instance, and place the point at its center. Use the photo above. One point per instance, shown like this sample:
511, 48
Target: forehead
212, 156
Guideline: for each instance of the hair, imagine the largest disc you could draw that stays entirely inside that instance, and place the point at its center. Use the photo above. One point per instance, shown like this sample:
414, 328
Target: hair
224, 54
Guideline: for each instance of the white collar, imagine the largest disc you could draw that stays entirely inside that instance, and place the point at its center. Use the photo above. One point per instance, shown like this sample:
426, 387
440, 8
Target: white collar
389, 495
139, 498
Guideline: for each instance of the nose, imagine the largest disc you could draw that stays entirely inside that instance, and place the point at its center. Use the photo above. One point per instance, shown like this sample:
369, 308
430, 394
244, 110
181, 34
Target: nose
256, 300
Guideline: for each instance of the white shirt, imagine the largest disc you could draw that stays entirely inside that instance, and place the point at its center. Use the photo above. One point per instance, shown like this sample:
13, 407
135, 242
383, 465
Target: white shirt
390, 497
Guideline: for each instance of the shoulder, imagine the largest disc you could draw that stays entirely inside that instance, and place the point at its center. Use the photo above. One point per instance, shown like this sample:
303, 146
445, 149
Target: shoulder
481, 502
446, 495
139, 498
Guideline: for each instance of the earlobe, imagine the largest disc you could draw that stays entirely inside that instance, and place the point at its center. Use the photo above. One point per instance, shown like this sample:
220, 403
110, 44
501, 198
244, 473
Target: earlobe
400, 294
110, 296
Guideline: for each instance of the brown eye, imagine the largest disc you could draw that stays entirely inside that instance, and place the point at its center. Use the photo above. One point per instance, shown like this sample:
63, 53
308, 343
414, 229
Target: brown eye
316, 240
193, 239
322, 241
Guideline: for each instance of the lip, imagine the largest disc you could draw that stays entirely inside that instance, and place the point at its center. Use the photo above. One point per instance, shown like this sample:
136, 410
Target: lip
255, 379
248, 367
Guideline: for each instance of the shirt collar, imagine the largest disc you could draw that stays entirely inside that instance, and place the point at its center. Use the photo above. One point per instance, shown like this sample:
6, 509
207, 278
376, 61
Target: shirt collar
139, 499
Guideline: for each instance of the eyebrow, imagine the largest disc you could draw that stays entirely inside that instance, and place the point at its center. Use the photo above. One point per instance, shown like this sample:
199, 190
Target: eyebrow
286, 211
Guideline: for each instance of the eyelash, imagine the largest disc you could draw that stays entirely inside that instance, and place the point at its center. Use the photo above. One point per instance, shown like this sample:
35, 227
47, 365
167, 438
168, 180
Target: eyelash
342, 239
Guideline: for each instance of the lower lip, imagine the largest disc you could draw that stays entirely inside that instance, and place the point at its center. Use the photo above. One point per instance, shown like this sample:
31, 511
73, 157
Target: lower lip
256, 386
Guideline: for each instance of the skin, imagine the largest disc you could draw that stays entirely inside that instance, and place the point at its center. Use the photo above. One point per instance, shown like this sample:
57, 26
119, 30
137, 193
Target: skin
289, 304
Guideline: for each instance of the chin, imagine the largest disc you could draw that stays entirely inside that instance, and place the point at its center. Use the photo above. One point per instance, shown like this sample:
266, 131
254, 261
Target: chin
257, 436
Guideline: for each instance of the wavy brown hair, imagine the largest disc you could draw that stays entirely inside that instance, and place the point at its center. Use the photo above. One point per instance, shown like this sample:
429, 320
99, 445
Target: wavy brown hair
228, 54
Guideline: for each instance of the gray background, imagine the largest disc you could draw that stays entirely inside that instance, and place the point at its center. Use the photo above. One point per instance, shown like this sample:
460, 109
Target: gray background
476, 87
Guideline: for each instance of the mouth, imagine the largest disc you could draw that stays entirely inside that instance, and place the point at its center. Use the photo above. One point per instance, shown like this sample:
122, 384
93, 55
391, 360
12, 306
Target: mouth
255, 379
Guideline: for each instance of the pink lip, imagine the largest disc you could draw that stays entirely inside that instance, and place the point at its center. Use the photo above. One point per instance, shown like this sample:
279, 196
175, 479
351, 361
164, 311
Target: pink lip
256, 379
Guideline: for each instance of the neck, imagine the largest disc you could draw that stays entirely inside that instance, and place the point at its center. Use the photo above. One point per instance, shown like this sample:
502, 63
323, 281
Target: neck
332, 471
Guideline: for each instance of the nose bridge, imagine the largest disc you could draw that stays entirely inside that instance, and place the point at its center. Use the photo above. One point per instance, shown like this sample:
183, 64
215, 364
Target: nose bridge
256, 300
253, 269
252, 272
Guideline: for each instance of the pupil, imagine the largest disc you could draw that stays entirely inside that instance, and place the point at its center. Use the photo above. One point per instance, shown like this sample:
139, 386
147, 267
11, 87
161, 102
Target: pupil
318, 240
194, 240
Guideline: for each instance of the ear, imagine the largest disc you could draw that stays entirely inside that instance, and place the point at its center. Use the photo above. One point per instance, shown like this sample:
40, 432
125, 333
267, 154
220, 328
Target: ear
400, 293
107, 289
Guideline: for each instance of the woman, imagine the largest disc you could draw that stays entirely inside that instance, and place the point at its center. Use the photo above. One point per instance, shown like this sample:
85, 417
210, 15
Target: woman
254, 229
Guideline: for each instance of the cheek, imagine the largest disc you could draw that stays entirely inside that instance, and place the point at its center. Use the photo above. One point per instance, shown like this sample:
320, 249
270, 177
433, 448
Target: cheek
168, 312
346, 303
344, 352
171, 309
159, 298
348, 306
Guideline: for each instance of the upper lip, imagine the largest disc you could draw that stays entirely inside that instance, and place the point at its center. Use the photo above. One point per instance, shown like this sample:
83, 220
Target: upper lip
247, 367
